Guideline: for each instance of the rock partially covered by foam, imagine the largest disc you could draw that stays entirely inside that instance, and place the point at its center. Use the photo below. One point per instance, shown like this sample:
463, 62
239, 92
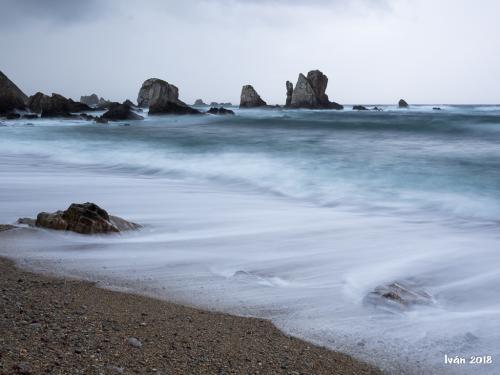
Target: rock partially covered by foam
121, 112
399, 295
220, 111
85, 218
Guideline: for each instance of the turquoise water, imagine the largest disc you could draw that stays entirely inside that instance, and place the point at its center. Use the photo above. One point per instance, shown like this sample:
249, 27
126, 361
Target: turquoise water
317, 208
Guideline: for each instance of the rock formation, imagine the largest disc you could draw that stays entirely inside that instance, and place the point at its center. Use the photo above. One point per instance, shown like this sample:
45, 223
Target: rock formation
11, 97
121, 112
129, 103
359, 108
199, 102
289, 93
90, 100
310, 93
398, 295
55, 105
220, 111
162, 98
403, 104
250, 99
86, 218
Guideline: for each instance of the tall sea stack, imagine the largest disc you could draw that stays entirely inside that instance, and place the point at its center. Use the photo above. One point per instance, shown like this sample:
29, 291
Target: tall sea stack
11, 97
310, 93
250, 99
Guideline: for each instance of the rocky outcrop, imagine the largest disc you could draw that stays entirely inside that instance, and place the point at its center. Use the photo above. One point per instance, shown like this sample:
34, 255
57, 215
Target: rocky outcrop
399, 296
250, 99
403, 104
86, 218
129, 103
55, 105
162, 98
309, 92
359, 108
199, 102
90, 100
220, 111
121, 112
289, 93
11, 97
6, 227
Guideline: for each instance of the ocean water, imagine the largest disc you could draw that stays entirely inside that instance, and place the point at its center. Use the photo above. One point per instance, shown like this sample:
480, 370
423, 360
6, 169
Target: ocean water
295, 216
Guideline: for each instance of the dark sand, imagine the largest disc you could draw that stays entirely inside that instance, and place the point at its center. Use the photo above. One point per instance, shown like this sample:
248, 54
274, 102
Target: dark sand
57, 326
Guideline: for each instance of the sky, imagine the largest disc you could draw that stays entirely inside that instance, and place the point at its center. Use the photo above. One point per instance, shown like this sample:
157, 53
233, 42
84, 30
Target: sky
373, 51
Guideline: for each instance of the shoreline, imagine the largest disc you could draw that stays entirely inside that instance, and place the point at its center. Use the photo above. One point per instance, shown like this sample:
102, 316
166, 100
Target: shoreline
61, 325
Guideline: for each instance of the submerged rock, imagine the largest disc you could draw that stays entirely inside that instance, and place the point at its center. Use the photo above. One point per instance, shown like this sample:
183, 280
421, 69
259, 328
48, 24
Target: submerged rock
403, 104
220, 111
11, 97
310, 93
359, 108
250, 99
121, 112
86, 218
90, 100
399, 295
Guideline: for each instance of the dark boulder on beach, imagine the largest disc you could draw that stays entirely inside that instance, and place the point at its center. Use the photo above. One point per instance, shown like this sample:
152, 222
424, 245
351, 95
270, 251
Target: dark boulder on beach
90, 100
220, 111
121, 112
55, 105
250, 98
11, 97
162, 98
85, 218
403, 104
359, 108
199, 102
309, 92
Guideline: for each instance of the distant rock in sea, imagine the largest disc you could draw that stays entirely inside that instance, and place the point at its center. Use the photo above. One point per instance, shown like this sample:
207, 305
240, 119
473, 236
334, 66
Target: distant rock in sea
199, 102
85, 218
55, 105
359, 108
403, 104
90, 100
121, 112
162, 98
11, 97
289, 93
309, 92
436, 108
250, 99
220, 111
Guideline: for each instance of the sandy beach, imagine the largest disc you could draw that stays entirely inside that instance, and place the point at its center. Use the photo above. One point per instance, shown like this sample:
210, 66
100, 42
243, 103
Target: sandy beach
58, 326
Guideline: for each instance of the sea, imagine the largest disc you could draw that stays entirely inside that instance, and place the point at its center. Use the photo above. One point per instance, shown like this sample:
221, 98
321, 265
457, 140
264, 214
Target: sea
297, 216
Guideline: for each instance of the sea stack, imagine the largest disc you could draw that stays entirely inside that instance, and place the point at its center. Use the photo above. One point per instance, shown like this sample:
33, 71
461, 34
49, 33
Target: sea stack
250, 99
162, 98
289, 93
55, 105
11, 97
310, 93
403, 104
90, 100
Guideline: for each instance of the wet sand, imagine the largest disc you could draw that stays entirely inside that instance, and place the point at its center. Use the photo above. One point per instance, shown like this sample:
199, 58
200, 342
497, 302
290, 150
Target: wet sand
57, 326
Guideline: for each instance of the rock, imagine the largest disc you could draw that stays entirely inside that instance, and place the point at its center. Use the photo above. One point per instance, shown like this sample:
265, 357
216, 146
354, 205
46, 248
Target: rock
199, 102
23, 368
12, 116
86, 218
121, 112
403, 104
359, 108
162, 98
214, 104
26, 221
399, 295
11, 97
134, 342
55, 105
436, 108
310, 93
171, 108
377, 109
289, 93
220, 111
5, 227
105, 104
100, 120
30, 116
250, 99
129, 103
90, 100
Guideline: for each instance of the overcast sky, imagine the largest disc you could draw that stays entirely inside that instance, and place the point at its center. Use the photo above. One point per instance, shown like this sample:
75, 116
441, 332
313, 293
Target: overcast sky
373, 51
